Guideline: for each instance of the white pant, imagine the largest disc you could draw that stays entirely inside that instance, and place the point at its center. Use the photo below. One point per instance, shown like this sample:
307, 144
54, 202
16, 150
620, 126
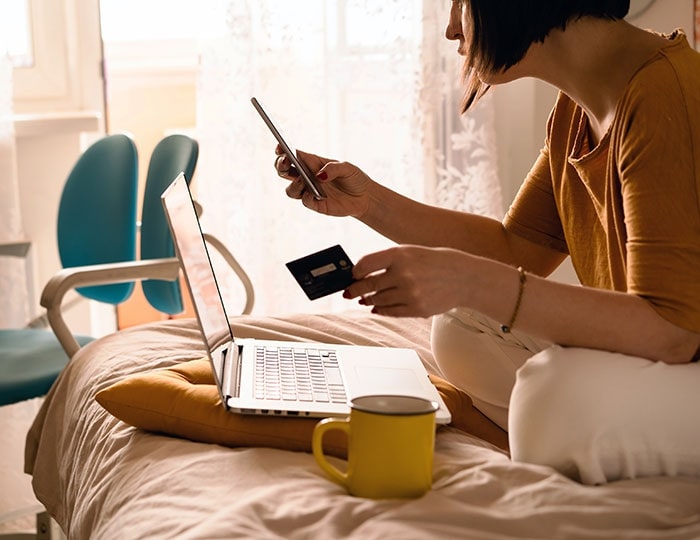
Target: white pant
593, 415
474, 355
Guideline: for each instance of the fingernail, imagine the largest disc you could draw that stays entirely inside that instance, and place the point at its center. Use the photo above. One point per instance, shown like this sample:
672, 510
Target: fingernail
322, 175
346, 294
362, 302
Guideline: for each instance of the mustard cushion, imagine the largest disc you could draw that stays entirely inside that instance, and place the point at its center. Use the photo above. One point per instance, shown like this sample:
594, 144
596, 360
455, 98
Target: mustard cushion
183, 401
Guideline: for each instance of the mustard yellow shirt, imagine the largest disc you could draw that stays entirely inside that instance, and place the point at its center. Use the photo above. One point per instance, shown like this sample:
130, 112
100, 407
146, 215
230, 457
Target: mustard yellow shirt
628, 210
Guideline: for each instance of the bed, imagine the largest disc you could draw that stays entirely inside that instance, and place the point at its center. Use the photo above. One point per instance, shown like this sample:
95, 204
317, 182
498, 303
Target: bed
102, 478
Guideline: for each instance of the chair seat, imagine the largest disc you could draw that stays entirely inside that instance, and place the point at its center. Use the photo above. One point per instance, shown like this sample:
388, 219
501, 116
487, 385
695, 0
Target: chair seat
30, 361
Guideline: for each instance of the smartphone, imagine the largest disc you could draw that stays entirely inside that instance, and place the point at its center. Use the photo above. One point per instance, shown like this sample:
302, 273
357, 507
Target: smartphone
304, 171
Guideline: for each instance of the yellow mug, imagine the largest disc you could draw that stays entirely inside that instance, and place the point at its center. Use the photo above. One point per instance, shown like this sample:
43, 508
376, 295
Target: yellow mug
391, 440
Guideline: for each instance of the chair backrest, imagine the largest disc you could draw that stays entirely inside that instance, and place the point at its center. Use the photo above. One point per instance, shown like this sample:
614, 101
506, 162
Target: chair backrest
171, 156
97, 212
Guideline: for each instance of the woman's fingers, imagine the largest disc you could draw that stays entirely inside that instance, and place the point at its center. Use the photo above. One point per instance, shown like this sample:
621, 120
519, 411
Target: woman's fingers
284, 167
407, 281
296, 188
280, 165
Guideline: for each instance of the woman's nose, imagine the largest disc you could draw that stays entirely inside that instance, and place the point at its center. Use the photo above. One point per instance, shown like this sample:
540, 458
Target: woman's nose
453, 29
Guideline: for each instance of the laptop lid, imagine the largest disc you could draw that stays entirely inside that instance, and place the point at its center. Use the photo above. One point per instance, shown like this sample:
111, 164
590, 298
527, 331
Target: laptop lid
201, 280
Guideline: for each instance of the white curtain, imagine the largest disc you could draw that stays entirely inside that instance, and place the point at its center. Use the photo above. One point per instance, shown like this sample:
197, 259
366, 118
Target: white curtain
373, 83
17, 502
13, 285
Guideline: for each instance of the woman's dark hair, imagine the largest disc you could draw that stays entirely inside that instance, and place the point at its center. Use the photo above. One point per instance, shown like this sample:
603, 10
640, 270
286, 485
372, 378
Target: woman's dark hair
503, 30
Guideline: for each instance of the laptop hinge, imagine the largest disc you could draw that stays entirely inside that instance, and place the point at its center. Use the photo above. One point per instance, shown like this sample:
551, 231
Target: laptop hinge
239, 363
233, 357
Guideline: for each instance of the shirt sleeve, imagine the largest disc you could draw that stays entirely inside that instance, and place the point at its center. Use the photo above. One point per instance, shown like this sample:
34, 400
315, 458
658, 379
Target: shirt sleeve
533, 214
659, 162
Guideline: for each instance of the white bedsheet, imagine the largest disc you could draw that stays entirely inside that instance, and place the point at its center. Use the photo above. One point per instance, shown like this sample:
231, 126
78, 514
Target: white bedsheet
100, 478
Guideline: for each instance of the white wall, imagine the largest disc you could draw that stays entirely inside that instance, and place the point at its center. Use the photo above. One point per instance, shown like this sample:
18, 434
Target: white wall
522, 108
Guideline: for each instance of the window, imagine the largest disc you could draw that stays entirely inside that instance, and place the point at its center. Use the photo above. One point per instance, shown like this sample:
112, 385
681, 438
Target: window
56, 53
15, 32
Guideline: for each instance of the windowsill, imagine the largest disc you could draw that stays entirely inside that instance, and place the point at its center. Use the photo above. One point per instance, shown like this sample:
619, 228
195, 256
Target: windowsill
18, 248
43, 124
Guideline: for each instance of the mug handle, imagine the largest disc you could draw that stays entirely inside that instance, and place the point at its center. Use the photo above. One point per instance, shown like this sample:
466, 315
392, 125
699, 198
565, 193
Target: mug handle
320, 429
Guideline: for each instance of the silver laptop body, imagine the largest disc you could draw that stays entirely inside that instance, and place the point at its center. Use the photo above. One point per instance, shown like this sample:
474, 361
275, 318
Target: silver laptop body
306, 379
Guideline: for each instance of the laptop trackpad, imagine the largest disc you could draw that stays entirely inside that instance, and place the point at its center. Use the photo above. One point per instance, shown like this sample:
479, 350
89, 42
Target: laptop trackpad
376, 380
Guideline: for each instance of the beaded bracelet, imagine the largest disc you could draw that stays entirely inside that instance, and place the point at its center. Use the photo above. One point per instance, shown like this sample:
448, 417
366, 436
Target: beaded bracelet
505, 328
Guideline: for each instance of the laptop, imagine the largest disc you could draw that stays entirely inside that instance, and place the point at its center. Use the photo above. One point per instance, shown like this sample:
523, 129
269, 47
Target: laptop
267, 377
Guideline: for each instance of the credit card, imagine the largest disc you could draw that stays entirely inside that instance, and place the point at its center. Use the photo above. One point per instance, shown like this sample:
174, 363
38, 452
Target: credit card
323, 273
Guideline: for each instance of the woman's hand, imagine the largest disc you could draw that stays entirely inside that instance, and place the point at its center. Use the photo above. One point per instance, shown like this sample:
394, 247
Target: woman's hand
345, 185
411, 281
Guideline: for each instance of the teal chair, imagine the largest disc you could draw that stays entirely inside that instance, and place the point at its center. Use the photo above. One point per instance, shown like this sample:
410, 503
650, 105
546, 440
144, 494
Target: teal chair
96, 224
158, 267
97, 214
172, 155
97, 232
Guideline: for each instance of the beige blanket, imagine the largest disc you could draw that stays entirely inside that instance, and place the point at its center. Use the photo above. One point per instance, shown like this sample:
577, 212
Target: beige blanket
100, 478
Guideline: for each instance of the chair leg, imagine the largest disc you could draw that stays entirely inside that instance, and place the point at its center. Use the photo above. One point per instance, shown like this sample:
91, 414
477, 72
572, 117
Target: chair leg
46, 529
43, 526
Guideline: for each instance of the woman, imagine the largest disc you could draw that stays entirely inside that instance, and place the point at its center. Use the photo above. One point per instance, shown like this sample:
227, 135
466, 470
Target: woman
617, 188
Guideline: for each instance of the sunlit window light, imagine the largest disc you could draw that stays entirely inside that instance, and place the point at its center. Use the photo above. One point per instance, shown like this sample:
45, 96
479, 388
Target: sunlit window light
366, 23
153, 20
15, 32
369, 24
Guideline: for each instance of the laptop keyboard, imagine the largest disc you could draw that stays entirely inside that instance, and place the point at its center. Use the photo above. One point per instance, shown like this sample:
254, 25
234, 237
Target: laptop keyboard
298, 374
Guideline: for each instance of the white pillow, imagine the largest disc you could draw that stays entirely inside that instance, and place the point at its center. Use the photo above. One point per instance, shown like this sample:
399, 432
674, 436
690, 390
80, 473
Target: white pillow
597, 416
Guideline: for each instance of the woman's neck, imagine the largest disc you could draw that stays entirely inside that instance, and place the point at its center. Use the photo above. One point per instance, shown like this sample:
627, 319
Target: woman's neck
592, 62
